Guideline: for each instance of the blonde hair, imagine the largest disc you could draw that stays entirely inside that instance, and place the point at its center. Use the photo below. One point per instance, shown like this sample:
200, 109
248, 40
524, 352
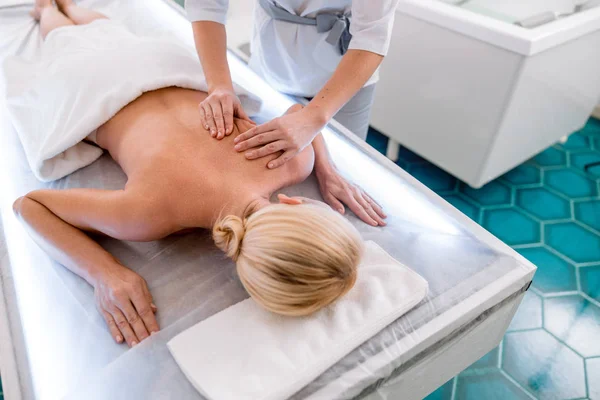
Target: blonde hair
292, 259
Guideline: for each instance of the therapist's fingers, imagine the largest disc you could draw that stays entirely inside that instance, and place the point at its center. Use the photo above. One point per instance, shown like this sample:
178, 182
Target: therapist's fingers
124, 327
144, 310
334, 203
227, 106
250, 133
266, 150
210, 120
282, 159
258, 140
112, 327
202, 116
240, 112
134, 319
218, 115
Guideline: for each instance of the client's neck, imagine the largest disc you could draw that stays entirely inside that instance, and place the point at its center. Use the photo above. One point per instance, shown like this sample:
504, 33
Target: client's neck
245, 206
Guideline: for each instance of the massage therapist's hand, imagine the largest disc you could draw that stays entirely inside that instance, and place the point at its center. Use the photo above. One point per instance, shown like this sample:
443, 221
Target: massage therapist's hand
124, 300
289, 134
336, 190
217, 112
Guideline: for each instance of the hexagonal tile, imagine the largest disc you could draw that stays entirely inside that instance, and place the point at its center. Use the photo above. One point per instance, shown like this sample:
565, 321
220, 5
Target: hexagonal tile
588, 212
593, 372
551, 157
511, 226
570, 183
597, 143
589, 277
444, 392
490, 360
575, 242
433, 177
543, 365
524, 174
465, 207
492, 385
529, 313
494, 193
575, 141
543, 204
580, 160
574, 320
553, 274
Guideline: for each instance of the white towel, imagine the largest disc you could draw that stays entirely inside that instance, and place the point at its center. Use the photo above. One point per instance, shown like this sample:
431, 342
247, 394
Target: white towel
247, 353
81, 78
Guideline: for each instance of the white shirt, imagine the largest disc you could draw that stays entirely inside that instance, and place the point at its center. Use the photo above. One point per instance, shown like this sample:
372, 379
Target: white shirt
296, 59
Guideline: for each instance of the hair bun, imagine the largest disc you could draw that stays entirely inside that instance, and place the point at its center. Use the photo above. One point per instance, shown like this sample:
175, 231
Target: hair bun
228, 234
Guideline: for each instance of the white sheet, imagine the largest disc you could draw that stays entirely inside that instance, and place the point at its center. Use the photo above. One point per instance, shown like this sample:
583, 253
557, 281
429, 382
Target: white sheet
248, 353
81, 78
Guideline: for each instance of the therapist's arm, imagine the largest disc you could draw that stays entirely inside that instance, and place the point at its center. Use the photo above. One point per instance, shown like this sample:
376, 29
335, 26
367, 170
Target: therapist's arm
291, 133
55, 220
222, 104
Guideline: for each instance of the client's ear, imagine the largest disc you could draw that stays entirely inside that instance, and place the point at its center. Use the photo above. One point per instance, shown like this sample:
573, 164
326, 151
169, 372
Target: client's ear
283, 199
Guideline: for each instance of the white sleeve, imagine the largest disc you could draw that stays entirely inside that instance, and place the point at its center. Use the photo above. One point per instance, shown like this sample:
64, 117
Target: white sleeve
207, 10
371, 25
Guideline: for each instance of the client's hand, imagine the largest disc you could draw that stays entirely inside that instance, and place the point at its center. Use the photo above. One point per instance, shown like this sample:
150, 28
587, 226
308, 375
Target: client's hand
124, 300
217, 112
336, 190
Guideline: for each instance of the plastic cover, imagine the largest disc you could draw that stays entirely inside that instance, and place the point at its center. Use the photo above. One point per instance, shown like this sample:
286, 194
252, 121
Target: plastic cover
60, 343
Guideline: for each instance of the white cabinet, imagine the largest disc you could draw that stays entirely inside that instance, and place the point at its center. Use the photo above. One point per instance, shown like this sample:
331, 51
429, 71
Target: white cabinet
477, 95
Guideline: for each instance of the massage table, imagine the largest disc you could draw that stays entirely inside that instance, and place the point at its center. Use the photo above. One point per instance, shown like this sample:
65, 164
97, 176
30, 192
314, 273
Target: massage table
54, 344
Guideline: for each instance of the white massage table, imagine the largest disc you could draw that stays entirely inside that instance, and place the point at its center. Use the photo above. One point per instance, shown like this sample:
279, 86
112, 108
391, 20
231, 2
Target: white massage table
54, 344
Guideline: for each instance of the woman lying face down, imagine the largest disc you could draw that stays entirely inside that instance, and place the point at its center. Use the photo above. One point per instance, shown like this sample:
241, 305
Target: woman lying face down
293, 257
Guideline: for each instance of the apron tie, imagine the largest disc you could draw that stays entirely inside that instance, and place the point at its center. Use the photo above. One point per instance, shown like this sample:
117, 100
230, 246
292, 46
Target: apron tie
338, 25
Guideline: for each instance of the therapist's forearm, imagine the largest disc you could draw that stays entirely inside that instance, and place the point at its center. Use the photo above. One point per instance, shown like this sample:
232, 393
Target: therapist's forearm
353, 71
211, 45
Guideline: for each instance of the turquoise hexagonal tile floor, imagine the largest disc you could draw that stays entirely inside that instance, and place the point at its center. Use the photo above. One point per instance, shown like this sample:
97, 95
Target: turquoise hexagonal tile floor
548, 209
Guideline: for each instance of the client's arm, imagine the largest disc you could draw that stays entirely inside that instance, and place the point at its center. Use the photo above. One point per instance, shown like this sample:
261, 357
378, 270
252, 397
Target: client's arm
336, 190
52, 218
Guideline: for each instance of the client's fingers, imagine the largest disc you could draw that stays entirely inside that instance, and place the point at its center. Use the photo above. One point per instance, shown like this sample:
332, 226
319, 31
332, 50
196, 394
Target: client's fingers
359, 196
360, 211
112, 327
210, 120
134, 320
218, 114
144, 310
334, 203
378, 209
124, 327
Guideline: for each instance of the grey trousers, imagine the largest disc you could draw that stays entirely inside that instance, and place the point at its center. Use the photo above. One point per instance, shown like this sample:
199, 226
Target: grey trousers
356, 113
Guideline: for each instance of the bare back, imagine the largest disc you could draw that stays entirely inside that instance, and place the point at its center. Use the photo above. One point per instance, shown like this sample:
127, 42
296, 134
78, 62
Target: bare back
159, 142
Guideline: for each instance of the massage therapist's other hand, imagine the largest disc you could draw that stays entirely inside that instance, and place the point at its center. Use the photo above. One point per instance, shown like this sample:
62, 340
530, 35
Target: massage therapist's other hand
217, 112
124, 300
290, 134
336, 190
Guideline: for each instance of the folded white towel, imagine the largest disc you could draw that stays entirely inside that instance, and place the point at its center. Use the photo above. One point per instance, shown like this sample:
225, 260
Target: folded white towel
81, 78
247, 353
